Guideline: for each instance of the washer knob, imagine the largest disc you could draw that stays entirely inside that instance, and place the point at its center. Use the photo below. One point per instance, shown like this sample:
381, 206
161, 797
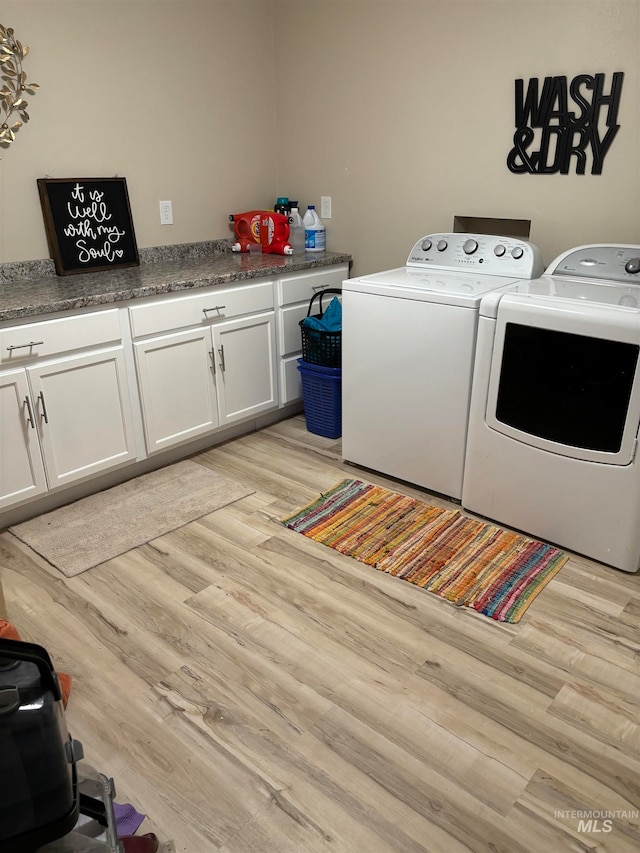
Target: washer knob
426, 245
470, 246
499, 250
442, 245
517, 252
632, 266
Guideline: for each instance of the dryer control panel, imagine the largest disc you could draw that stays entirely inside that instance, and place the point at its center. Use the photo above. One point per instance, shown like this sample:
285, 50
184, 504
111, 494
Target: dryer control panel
484, 253
612, 262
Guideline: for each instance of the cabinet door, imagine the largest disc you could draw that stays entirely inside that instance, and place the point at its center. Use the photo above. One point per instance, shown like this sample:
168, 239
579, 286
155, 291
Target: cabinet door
246, 367
175, 376
21, 468
290, 332
290, 380
83, 414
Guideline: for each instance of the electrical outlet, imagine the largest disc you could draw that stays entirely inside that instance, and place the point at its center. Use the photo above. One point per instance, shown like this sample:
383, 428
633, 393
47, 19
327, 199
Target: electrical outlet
166, 213
325, 207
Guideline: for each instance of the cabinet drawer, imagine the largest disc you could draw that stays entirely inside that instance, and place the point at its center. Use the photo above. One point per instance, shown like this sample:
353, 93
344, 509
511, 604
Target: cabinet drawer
50, 337
299, 288
175, 312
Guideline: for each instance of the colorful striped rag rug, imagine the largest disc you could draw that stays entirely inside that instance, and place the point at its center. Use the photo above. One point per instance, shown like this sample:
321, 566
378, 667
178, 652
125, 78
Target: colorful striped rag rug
469, 562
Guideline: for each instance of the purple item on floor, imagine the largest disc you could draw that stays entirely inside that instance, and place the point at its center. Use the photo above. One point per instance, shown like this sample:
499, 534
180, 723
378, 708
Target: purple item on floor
127, 818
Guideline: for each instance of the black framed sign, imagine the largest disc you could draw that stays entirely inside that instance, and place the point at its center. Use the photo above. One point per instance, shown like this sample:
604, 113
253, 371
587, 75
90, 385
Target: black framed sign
88, 223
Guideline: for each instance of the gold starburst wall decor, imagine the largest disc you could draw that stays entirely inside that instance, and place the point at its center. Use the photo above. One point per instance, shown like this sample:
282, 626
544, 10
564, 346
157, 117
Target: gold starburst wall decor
13, 80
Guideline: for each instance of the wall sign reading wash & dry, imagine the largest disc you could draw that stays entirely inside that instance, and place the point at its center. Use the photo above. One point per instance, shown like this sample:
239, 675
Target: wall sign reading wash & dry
565, 123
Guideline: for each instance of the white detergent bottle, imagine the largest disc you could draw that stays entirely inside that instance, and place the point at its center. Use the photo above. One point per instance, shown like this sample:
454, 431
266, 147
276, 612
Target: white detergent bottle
296, 231
315, 235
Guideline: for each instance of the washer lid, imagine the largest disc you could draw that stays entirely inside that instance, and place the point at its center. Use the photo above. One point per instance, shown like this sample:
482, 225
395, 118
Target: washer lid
548, 289
449, 288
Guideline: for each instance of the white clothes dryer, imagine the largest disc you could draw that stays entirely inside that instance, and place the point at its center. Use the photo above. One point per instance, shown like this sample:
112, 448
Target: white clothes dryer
408, 344
555, 410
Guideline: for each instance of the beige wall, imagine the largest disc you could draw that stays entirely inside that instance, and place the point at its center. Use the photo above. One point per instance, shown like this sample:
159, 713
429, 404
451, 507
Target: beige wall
178, 97
405, 117
402, 112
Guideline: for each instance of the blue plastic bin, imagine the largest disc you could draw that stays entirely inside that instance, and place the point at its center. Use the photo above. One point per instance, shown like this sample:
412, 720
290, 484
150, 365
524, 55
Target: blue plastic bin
322, 395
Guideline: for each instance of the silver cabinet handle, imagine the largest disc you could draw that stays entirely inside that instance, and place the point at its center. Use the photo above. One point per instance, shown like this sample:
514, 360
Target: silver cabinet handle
22, 346
44, 408
213, 361
30, 420
215, 308
221, 351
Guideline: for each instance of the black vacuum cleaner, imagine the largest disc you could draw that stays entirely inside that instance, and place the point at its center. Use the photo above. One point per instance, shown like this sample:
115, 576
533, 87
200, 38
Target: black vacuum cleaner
39, 798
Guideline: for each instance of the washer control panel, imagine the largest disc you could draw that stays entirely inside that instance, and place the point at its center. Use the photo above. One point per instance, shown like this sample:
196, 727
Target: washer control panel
613, 262
483, 253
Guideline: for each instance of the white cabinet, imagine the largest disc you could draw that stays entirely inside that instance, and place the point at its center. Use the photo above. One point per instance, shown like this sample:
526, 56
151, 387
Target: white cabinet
62, 419
293, 295
176, 391
246, 377
21, 467
198, 379
80, 389
82, 414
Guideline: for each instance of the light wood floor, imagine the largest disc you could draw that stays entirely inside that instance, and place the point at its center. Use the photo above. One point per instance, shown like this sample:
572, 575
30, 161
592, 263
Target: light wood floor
251, 690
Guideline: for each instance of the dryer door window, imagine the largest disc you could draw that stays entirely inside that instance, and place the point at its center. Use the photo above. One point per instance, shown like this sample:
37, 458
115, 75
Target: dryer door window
566, 382
569, 389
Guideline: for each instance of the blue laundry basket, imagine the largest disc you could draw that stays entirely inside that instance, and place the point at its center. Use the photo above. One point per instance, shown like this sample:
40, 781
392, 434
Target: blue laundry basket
322, 395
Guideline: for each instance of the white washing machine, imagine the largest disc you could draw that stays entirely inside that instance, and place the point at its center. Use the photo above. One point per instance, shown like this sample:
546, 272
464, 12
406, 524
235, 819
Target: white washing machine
408, 344
555, 412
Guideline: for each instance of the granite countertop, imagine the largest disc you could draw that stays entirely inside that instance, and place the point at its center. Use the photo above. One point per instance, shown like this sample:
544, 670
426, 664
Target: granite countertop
32, 288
